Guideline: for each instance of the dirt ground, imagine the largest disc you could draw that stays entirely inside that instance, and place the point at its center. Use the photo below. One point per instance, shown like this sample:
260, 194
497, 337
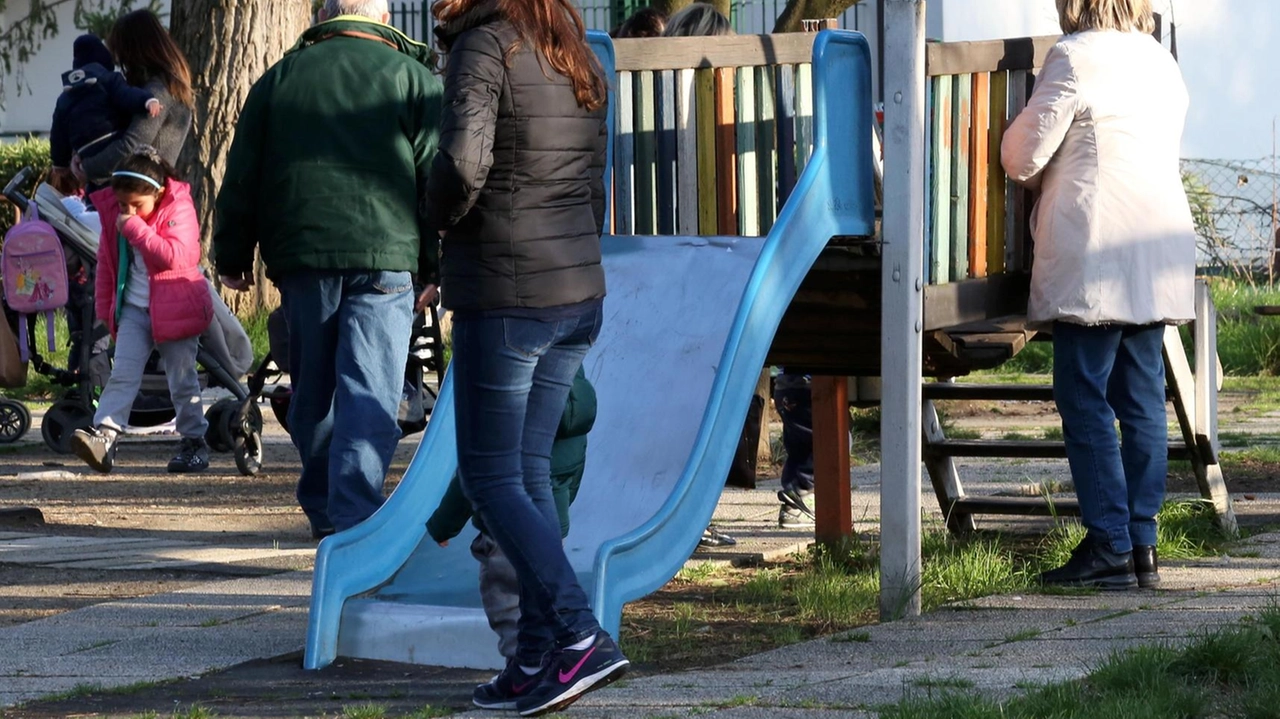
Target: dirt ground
220, 506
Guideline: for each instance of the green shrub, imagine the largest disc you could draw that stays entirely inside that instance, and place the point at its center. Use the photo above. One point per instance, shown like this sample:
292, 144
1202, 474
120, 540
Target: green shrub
31, 152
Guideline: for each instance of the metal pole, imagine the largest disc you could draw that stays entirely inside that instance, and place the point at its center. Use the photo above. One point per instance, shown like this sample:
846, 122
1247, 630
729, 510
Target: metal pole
903, 285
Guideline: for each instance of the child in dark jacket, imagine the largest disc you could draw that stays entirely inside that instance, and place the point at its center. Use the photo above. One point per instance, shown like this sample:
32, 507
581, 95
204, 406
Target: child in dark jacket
499, 589
96, 103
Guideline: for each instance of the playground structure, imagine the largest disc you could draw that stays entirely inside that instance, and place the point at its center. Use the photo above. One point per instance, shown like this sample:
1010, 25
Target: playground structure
745, 232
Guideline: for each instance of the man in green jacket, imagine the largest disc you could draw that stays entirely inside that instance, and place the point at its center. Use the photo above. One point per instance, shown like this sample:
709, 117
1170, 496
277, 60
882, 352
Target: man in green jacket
323, 177
499, 588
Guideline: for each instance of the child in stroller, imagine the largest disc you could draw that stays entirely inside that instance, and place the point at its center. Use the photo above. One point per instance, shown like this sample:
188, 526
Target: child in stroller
225, 353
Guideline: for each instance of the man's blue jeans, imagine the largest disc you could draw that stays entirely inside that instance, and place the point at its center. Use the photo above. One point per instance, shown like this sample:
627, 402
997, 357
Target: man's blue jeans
1102, 374
511, 381
348, 344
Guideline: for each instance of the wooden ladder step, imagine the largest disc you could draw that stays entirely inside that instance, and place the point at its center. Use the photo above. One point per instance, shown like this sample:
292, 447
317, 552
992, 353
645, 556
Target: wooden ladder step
995, 392
1023, 449
1003, 392
1029, 506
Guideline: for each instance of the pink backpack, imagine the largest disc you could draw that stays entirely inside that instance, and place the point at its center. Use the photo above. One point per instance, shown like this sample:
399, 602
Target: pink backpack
34, 270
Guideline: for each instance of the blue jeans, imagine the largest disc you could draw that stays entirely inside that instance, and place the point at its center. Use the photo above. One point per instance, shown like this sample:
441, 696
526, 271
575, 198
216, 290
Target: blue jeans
1102, 374
795, 407
348, 344
511, 381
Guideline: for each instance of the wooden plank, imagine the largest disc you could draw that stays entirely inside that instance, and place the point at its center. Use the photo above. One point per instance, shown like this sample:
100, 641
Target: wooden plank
995, 173
954, 58
646, 172
942, 473
1182, 383
624, 155
976, 300
961, 129
748, 162
766, 149
804, 116
979, 162
686, 154
702, 53
726, 154
705, 100
1017, 506
833, 505
930, 107
1026, 245
666, 190
786, 118
940, 157
1019, 449
1014, 196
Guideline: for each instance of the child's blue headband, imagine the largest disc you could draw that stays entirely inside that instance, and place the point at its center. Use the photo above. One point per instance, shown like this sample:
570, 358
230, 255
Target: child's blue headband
138, 176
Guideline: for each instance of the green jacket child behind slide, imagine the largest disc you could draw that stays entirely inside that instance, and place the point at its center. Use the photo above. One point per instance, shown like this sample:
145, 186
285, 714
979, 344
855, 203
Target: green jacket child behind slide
499, 590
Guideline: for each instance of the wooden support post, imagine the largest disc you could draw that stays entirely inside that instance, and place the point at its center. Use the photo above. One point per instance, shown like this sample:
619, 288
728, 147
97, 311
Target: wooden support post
943, 475
1208, 473
832, 500
1205, 423
901, 342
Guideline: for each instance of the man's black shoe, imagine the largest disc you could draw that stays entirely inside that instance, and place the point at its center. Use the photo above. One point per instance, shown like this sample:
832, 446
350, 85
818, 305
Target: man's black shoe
1093, 564
1147, 566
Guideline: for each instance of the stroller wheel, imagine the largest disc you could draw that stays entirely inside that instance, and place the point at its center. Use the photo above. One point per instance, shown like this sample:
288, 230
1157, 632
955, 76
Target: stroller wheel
248, 452
15, 420
220, 417
246, 433
63, 418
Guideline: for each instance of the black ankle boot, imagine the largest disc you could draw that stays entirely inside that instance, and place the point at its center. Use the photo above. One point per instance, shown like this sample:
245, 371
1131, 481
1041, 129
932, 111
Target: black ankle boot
1093, 564
1146, 565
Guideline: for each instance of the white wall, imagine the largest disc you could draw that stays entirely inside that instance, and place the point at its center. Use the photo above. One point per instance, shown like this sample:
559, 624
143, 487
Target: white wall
32, 91
960, 20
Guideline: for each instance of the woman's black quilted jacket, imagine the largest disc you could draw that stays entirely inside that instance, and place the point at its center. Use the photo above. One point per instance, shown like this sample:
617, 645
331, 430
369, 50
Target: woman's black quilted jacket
518, 183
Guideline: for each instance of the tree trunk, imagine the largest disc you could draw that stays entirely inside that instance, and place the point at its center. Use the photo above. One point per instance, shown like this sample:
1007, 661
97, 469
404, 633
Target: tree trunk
671, 7
797, 11
229, 44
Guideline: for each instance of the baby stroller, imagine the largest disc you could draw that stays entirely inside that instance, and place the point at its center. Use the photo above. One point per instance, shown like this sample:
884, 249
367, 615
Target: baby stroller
425, 363
225, 352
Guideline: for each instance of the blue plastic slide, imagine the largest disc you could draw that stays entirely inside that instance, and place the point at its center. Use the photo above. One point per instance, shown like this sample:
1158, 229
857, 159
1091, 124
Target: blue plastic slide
688, 322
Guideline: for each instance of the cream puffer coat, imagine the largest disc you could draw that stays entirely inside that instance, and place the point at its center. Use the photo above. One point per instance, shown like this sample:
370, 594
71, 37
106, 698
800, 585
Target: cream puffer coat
1114, 236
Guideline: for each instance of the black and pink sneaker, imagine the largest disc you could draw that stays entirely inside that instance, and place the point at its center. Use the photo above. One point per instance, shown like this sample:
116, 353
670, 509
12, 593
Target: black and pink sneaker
570, 673
503, 690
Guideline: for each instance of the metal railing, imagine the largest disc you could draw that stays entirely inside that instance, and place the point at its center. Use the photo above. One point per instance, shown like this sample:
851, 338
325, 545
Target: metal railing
750, 17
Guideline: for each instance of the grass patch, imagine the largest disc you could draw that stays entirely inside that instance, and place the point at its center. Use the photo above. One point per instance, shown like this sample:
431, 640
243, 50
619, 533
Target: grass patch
710, 614
364, 711
1231, 672
942, 683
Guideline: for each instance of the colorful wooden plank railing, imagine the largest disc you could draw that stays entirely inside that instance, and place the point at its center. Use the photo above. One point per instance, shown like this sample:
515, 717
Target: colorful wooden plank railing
712, 132
977, 221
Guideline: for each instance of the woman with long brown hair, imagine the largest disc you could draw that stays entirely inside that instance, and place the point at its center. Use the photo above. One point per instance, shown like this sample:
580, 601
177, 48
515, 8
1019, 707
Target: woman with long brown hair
150, 59
517, 192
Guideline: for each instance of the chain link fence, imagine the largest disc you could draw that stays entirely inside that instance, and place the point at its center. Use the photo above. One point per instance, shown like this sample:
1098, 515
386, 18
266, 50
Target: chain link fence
1234, 204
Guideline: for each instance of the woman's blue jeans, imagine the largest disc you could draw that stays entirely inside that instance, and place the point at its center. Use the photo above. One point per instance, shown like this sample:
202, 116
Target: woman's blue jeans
1102, 374
511, 382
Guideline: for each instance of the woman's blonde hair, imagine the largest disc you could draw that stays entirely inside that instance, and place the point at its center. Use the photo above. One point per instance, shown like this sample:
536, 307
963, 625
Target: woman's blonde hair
1123, 15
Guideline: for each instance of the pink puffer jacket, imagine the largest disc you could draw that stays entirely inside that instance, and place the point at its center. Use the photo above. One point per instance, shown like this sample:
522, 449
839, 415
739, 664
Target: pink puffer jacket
169, 243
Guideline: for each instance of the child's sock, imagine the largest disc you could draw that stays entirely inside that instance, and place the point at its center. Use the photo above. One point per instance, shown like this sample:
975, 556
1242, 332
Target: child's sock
584, 644
530, 671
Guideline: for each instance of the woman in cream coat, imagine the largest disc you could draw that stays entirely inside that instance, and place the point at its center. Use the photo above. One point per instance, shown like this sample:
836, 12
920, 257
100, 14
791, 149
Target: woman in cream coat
1114, 263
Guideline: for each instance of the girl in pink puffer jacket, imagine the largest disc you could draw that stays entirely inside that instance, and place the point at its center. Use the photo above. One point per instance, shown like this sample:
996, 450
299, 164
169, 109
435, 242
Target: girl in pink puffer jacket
151, 294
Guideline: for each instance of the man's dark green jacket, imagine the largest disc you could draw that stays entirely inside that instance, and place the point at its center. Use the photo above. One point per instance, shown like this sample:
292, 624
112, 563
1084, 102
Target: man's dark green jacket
330, 157
568, 458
